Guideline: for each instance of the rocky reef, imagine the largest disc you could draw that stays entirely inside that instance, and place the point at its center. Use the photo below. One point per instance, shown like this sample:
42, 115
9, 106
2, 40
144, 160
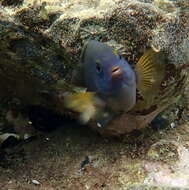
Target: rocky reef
41, 43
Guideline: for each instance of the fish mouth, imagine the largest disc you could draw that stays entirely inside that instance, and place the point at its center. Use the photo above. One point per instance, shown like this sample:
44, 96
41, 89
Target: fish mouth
116, 72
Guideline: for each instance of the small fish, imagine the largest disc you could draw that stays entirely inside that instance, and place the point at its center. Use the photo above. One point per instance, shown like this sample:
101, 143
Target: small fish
111, 77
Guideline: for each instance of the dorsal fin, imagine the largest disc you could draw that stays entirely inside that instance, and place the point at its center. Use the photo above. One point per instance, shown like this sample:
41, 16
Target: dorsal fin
150, 71
78, 73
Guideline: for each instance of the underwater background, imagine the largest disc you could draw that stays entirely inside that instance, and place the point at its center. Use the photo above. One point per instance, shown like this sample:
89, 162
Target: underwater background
40, 47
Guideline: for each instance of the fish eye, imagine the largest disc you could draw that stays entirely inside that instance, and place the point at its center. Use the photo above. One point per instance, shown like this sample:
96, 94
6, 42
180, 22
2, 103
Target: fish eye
98, 67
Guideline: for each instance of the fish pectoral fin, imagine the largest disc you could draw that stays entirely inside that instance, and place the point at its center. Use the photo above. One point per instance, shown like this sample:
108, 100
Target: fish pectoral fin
85, 103
150, 71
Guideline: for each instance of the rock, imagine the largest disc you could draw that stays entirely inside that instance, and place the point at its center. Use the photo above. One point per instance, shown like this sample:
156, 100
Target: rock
164, 151
140, 26
172, 125
8, 140
41, 44
169, 164
34, 181
146, 187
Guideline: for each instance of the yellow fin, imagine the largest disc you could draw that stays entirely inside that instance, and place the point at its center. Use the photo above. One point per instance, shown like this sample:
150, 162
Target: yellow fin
85, 103
150, 71
116, 52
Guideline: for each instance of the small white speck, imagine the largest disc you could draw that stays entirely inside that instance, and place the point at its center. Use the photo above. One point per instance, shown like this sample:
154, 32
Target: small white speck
177, 111
99, 125
26, 136
47, 139
173, 125
34, 181
29, 122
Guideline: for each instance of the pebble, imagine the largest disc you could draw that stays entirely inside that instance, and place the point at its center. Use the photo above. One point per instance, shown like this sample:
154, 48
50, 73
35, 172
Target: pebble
99, 125
34, 181
173, 125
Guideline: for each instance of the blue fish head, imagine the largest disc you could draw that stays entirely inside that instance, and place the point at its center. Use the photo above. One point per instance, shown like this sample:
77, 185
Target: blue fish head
106, 72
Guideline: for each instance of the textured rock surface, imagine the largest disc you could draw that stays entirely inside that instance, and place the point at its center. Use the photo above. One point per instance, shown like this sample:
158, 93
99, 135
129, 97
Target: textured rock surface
132, 27
129, 26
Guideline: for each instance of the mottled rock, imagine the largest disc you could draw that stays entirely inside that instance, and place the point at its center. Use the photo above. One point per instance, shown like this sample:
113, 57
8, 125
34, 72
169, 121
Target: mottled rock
44, 41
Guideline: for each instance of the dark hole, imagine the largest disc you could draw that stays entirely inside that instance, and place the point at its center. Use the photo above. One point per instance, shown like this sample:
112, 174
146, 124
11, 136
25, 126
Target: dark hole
12, 2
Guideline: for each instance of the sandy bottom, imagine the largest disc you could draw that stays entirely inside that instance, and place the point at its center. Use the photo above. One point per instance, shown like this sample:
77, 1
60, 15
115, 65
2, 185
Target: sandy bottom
78, 158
